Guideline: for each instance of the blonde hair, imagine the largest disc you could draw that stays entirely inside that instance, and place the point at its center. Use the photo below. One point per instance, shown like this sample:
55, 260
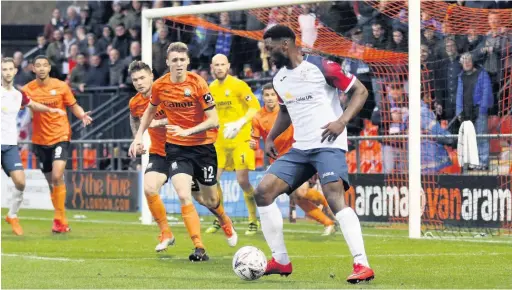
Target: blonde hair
8, 59
177, 47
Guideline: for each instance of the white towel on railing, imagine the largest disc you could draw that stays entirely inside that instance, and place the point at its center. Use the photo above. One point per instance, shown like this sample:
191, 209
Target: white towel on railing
467, 149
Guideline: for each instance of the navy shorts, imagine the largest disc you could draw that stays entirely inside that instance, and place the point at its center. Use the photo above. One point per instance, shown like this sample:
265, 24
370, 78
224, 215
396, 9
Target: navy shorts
11, 160
298, 166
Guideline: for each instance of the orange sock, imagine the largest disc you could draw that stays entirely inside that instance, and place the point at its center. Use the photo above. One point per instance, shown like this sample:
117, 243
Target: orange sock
314, 212
157, 208
220, 214
59, 202
191, 220
316, 197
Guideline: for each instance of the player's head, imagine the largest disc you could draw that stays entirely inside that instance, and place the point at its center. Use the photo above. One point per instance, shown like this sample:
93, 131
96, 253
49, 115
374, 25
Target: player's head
220, 66
280, 42
142, 76
42, 67
177, 59
9, 70
269, 96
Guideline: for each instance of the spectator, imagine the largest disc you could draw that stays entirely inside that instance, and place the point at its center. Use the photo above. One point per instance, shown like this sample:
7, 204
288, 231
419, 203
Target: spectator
308, 25
92, 46
135, 51
378, 38
81, 38
56, 54
489, 53
118, 16
56, 23
42, 45
122, 41
73, 20
68, 41
116, 69
449, 70
468, 42
392, 120
97, 74
224, 39
474, 98
19, 79
106, 38
429, 38
160, 51
159, 23
73, 55
133, 16
399, 43
201, 47
135, 33
100, 11
86, 21
78, 75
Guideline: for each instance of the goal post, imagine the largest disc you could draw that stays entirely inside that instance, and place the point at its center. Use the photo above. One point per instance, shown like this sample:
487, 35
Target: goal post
414, 201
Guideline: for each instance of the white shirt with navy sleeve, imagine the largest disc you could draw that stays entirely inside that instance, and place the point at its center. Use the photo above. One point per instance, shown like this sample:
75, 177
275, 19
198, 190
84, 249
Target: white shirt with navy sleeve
310, 94
12, 100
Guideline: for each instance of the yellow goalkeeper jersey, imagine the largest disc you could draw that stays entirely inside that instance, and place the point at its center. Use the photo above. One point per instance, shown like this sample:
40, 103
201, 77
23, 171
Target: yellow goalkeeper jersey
233, 98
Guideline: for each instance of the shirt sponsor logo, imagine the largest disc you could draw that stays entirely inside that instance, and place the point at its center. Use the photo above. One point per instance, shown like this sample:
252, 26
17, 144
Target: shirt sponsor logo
169, 104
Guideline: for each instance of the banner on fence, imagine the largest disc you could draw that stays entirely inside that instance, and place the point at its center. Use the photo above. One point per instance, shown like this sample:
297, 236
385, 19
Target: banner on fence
102, 191
234, 202
455, 200
36, 194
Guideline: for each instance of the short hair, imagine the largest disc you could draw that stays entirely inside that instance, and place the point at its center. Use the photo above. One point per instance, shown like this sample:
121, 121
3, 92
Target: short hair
267, 86
41, 56
177, 47
138, 65
8, 59
277, 32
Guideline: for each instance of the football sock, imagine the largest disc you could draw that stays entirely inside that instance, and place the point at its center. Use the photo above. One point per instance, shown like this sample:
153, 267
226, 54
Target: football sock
59, 201
220, 214
272, 227
314, 212
251, 205
191, 220
17, 199
316, 197
157, 208
351, 229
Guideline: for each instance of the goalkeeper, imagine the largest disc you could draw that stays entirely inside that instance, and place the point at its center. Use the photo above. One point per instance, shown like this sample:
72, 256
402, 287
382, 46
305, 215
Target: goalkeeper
236, 106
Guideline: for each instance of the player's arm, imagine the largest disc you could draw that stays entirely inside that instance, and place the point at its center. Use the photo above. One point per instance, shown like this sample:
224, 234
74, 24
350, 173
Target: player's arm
134, 124
247, 97
159, 123
353, 87
212, 121
282, 123
76, 109
38, 107
255, 133
137, 147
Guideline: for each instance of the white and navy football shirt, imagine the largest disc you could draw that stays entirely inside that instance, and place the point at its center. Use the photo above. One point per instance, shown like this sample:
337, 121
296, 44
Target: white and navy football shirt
12, 100
310, 94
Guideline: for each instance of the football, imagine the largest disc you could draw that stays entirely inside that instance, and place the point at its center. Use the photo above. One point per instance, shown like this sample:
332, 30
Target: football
249, 263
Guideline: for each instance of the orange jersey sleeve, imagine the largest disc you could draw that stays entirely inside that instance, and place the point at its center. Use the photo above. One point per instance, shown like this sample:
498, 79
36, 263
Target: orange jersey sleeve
50, 128
138, 105
184, 105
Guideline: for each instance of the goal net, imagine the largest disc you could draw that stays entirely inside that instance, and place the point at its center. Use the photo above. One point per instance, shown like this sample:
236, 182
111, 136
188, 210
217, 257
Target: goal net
378, 156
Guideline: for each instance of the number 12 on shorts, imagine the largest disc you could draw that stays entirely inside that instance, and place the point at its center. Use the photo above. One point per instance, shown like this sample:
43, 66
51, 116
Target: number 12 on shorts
208, 173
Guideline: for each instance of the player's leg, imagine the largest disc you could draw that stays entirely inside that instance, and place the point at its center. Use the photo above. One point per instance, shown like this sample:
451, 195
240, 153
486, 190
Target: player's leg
221, 163
244, 160
11, 163
312, 209
205, 165
333, 172
60, 155
285, 175
155, 176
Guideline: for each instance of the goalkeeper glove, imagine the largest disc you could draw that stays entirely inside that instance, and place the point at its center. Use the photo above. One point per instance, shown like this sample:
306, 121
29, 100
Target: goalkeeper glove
232, 129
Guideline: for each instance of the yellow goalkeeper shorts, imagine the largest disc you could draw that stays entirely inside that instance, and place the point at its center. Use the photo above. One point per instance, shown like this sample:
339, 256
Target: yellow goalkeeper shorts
235, 158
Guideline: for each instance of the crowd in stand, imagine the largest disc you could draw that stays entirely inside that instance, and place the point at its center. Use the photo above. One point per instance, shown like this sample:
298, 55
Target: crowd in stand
463, 75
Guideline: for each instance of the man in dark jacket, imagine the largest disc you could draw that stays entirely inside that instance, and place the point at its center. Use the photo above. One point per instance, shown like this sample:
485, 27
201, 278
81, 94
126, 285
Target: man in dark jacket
97, 76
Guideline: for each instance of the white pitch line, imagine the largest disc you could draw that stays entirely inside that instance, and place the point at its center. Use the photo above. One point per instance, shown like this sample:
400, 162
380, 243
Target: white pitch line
294, 231
80, 260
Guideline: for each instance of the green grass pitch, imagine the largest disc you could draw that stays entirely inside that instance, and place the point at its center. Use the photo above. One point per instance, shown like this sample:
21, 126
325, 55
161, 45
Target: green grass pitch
113, 250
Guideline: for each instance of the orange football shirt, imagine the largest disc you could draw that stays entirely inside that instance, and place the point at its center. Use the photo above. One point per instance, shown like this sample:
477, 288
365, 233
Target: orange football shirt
184, 105
138, 105
262, 124
50, 128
